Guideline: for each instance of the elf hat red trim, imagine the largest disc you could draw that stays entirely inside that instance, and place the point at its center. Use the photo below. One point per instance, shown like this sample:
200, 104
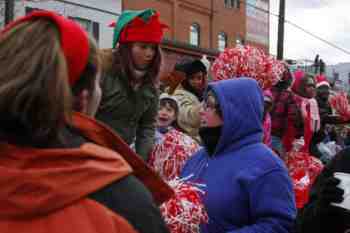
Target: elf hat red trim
321, 81
112, 24
138, 30
74, 41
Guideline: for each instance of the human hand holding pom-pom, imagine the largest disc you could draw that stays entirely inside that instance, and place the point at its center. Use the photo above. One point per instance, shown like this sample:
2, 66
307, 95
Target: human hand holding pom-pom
184, 212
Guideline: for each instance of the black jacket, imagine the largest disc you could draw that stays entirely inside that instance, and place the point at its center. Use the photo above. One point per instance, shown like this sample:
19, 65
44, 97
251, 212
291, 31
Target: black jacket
127, 197
334, 219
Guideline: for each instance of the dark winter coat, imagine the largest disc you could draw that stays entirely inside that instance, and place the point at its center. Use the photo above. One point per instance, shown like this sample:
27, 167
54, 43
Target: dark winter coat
130, 113
335, 219
127, 196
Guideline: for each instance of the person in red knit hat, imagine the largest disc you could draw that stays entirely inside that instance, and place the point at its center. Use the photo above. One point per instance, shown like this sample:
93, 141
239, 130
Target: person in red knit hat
62, 171
130, 86
328, 119
309, 118
322, 97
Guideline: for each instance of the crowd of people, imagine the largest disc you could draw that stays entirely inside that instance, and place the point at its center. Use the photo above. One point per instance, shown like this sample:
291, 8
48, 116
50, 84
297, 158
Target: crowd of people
93, 140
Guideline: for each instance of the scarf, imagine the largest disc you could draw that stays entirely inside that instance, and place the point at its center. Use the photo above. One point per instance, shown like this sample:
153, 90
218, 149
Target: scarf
210, 137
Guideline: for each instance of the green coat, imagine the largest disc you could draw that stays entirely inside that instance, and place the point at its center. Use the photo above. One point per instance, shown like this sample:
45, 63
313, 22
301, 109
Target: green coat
130, 113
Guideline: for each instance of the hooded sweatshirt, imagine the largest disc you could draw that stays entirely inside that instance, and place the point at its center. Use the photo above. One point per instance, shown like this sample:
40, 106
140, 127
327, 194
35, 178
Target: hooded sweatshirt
247, 187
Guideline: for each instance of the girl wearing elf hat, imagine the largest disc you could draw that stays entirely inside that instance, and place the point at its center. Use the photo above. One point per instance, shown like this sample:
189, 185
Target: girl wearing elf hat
61, 171
130, 100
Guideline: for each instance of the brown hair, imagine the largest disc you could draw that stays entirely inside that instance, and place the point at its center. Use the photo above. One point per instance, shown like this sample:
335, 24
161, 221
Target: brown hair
122, 62
87, 78
35, 96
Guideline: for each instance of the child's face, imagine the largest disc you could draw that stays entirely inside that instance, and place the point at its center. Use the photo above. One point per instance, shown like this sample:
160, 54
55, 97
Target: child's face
166, 115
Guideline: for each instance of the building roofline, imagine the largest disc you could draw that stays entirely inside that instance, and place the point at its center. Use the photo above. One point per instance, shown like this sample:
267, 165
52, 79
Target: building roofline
89, 7
187, 48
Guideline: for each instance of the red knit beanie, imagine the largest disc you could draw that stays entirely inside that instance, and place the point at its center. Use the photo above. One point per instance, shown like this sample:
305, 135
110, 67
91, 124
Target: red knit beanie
298, 77
74, 41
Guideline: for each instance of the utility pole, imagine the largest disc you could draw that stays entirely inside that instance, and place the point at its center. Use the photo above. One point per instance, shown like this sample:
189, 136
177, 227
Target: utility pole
9, 10
280, 40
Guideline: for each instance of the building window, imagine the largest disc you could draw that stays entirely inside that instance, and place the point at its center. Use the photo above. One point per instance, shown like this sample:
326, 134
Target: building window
194, 34
232, 3
93, 28
222, 41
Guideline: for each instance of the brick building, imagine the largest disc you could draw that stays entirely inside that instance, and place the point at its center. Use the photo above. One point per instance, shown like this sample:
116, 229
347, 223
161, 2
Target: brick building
199, 27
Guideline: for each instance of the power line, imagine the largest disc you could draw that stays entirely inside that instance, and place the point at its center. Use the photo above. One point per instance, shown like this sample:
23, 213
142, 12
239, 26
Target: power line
299, 27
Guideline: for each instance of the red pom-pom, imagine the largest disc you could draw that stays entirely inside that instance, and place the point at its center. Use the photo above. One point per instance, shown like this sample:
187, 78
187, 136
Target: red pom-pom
185, 211
248, 62
303, 170
169, 157
341, 105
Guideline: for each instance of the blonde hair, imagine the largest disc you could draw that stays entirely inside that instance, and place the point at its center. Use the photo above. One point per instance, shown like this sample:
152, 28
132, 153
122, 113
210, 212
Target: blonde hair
35, 96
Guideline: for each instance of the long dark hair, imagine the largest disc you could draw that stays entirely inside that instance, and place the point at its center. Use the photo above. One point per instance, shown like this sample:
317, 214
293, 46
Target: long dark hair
122, 62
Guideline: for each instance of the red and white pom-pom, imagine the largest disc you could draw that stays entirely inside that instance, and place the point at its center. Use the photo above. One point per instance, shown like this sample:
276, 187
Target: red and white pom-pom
341, 105
169, 157
184, 212
247, 61
303, 170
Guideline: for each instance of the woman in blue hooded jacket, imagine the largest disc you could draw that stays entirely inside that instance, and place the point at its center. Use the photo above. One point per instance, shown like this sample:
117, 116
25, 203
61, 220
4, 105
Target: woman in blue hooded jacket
247, 186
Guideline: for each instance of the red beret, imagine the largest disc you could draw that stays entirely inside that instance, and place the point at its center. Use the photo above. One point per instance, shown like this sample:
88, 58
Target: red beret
74, 41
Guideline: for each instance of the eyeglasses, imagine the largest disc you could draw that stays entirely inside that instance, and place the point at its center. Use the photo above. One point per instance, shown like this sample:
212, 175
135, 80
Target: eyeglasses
210, 102
208, 105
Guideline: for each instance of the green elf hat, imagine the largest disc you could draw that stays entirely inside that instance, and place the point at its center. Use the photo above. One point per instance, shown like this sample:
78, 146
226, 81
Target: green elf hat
138, 26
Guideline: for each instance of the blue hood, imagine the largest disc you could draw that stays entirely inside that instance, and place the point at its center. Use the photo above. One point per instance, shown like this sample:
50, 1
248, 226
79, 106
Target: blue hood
242, 105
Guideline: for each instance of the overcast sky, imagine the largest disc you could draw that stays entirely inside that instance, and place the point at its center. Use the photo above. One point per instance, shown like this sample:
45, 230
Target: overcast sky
329, 19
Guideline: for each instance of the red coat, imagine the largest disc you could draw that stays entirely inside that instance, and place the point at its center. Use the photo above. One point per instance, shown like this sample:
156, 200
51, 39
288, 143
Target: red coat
45, 190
